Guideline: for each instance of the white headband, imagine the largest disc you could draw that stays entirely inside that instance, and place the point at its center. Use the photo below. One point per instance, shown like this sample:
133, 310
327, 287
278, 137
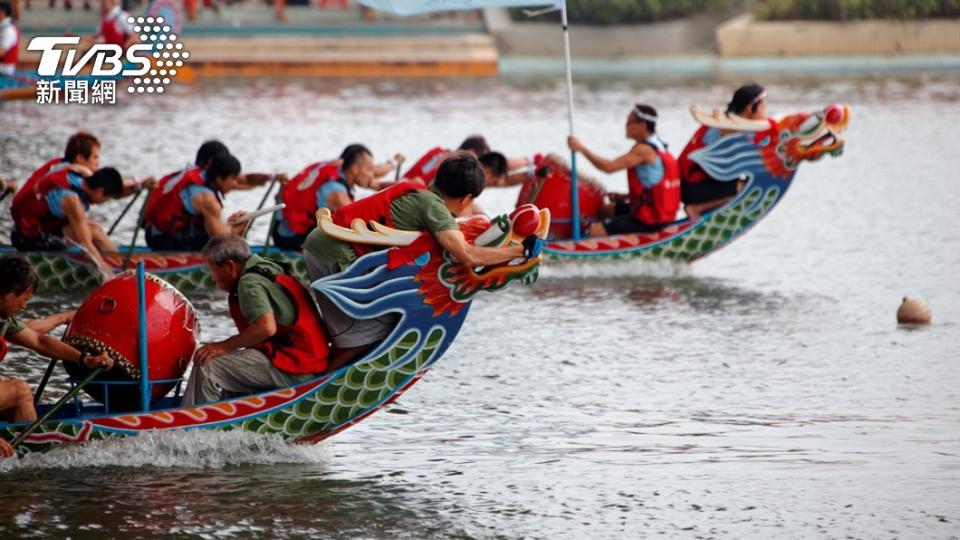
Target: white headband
758, 99
644, 116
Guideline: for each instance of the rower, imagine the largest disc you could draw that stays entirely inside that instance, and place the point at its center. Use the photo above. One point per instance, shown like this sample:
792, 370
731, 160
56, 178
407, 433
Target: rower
115, 27
328, 184
425, 169
184, 212
83, 148
699, 192
280, 340
652, 178
9, 40
54, 210
407, 206
18, 282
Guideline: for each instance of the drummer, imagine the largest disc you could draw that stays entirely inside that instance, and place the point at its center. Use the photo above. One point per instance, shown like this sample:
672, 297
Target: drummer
18, 282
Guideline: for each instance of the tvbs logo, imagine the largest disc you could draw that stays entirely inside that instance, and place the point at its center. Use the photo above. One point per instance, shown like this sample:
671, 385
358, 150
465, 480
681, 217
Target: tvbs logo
104, 59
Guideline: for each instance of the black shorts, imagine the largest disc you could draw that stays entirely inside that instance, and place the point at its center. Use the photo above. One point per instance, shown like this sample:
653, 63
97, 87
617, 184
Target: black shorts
627, 223
289, 243
44, 242
706, 191
193, 238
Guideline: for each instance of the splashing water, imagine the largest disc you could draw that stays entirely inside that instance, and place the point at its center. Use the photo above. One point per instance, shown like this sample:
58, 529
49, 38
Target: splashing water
174, 449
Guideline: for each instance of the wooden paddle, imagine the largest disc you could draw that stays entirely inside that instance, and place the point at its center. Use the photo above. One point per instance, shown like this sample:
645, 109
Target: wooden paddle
125, 210
263, 201
136, 232
56, 407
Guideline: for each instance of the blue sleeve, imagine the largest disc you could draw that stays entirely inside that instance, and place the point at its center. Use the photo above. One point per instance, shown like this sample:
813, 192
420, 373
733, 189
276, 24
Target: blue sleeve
327, 189
187, 195
75, 180
55, 199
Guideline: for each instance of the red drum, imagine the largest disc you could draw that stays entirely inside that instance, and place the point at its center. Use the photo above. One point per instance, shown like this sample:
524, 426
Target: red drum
550, 188
107, 322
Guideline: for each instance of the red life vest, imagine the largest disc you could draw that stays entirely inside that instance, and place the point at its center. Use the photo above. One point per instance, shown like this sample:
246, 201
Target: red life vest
690, 172
300, 195
165, 209
32, 214
54, 165
426, 167
298, 348
12, 56
658, 204
373, 208
111, 31
3, 348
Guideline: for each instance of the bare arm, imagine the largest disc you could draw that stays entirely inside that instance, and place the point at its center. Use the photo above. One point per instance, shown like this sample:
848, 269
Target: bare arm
54, 348
471, 255
209, 208
262, 329
640, 153
337, 200
77, 222
46, 324
254, 180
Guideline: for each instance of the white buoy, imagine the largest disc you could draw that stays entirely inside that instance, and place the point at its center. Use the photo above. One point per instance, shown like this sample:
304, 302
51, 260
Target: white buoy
913, 311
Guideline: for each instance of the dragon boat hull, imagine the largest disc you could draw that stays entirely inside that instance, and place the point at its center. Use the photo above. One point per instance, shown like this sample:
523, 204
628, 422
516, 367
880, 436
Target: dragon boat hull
185, 270
427, 288
765, 155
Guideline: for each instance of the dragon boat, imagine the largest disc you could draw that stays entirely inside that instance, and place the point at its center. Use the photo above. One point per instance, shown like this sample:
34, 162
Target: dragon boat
185, 270
765, 153
429, 290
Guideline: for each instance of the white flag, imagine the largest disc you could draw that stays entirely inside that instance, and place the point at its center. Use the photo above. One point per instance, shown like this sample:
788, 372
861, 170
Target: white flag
413, 7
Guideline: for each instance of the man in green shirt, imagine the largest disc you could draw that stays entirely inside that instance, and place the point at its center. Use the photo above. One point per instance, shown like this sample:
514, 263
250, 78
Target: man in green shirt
18, 282
279, 342
460, 180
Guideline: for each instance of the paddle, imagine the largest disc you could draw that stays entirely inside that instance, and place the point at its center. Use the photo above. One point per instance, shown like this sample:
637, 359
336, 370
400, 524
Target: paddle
136, 232
43, 382
105, 272
56, 407
46, 375
254, 215
273, 182
125, 210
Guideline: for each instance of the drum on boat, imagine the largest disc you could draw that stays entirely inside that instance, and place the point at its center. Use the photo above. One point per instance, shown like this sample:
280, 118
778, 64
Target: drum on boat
107, 321
550, 188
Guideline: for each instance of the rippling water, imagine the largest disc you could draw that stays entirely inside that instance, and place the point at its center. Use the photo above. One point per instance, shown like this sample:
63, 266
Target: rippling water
765, 391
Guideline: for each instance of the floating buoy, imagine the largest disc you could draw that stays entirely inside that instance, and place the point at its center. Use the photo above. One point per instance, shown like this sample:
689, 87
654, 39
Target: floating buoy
913, 311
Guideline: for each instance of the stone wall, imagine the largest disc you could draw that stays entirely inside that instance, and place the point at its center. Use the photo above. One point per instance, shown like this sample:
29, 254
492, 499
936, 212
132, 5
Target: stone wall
744, 36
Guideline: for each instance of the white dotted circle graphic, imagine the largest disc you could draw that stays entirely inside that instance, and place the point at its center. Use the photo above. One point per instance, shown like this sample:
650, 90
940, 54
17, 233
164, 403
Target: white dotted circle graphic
167, 52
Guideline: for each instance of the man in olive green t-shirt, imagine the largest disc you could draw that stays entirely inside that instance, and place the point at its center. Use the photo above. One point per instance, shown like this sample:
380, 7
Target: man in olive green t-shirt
459, 181
235, 365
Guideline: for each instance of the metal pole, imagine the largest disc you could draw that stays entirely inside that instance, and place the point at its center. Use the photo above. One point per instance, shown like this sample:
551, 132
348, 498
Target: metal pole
142, 338
574, 192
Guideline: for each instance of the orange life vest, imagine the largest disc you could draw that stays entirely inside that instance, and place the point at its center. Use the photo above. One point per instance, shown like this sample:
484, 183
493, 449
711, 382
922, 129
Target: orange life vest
301, 347
658, 204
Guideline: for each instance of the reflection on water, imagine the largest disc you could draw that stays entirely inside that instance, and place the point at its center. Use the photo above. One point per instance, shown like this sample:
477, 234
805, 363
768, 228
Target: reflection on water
763, 392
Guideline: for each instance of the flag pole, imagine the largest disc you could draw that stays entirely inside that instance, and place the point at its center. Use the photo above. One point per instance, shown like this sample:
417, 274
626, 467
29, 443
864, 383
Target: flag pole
574, 194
